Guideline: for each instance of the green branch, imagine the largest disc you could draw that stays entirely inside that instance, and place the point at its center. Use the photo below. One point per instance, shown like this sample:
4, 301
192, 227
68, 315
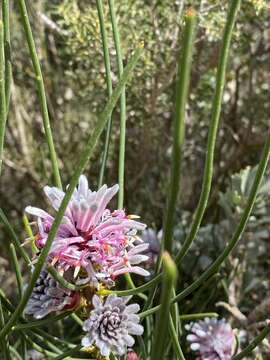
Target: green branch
161, 329
41, 91
3, 115
107, 63
4, 342
17, 269
68, 353
122, 140
8, 68
175, 341
213, 128
39, 323
182, 86
59, 278
134, 291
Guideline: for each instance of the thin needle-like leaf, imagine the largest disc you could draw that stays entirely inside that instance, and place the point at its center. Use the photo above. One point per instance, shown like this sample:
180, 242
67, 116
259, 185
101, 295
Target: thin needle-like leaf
107, 62
3, 114
182, 87
161, 329
122, 140
41, 91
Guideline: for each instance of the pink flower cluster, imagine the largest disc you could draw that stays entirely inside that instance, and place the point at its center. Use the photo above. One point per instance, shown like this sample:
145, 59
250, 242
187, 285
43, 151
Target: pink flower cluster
91, 237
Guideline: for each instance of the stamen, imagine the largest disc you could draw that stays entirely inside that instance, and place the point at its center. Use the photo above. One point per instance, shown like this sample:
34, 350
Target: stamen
76, 271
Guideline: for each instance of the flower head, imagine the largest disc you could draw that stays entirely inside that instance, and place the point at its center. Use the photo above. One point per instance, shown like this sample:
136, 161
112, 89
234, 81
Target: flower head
111, 325
212, 338
91, 236
48, 296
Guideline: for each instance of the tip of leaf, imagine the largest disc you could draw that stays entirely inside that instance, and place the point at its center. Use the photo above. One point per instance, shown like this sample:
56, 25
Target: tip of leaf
169, 265
191, 12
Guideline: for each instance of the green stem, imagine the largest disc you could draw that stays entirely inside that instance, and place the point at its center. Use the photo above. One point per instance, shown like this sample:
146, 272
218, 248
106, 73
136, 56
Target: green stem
5, 301
14, 238
176, 345
17, 269
254, 343
182, 86
142, 348
55, 274
82, 162
106, 56
38, 348
8, 69
44, 339
213, 128
191, 317
41, 91
3, 115
122, 140
23, 348
68, 353
161, 329
135, 291
4, 343
39, 323
175, 315
15, 353
77, 319
185, 317
131, 285
30, 234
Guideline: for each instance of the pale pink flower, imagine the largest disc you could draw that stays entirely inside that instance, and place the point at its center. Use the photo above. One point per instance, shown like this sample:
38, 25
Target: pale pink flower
212, 338
91, 236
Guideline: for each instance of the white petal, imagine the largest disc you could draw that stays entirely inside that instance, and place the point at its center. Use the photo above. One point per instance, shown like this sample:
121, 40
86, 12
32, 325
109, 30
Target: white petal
201, 333
132, 308
83, 186
138, 249
104, 200
195, 346
104, 348
129, 340
86, 342
140, 271
96, 301
137, 259
38, 212
54, 195
192, 338
135, 329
